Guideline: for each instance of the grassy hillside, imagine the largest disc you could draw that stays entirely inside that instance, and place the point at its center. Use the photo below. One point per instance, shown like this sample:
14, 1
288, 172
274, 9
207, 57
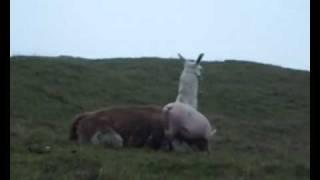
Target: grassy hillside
261, 113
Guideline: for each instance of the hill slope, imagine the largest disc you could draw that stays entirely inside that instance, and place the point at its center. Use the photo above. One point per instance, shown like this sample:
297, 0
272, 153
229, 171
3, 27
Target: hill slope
261, 113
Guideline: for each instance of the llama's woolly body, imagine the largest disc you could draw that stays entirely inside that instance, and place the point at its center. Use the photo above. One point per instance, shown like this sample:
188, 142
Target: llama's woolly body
186, 121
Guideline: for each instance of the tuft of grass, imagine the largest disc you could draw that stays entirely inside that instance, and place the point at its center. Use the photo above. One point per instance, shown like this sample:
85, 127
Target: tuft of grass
261, 113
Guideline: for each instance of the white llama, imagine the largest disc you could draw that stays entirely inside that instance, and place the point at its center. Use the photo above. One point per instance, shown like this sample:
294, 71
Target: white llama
185, 123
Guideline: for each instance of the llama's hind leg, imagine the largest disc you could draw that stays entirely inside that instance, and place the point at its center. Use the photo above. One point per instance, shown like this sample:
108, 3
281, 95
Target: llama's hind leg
182, 144
202, 144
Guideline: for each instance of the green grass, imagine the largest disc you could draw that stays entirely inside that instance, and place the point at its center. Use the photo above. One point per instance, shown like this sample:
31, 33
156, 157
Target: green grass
261, 113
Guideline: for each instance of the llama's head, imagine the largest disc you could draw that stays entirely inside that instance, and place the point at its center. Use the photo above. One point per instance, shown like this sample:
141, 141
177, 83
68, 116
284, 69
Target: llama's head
191, 66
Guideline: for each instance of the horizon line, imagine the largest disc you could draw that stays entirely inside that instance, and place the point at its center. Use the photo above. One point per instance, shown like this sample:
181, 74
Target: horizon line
156, 57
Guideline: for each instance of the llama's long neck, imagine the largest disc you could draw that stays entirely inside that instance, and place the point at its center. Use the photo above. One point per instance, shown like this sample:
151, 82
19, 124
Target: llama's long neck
188, 89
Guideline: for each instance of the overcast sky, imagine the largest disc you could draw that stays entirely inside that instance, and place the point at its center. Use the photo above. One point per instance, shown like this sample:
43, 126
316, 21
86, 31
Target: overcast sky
269, 31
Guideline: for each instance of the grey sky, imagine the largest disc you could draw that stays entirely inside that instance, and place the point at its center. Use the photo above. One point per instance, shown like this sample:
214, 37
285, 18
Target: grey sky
268, 31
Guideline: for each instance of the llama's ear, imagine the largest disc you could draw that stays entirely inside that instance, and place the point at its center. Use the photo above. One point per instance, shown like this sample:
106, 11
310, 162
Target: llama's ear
199, 58
181, 57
